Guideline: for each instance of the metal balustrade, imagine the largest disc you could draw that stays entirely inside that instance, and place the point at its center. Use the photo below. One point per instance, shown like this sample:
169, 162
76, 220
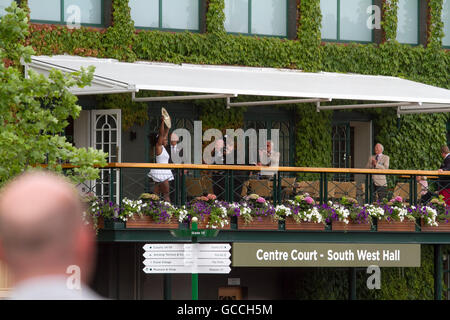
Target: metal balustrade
231, 183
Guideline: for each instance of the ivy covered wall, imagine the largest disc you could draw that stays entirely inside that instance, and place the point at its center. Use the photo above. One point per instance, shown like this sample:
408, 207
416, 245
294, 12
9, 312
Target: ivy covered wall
412, 142
428, 65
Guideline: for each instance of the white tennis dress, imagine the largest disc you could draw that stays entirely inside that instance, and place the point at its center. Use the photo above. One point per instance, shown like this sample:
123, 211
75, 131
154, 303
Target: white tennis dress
160, 175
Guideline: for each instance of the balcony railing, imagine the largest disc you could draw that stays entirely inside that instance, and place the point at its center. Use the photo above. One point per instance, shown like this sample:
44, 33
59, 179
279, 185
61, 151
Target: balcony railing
232, 182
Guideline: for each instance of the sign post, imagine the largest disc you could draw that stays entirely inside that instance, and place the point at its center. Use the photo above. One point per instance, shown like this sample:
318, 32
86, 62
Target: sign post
194, 275
193, 258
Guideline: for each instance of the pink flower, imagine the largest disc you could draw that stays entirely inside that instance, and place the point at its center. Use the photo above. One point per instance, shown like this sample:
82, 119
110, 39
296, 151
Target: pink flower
309, 200
212, 196
398, 198
260, 200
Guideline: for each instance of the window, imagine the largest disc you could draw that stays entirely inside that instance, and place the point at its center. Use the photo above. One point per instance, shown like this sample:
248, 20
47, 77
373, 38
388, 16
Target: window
3, 5
88, 12
346, 20
408, 21
263, 17
165, 14
446, 21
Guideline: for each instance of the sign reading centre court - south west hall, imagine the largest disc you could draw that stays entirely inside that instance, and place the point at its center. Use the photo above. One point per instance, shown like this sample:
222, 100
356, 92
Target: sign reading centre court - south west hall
325, 255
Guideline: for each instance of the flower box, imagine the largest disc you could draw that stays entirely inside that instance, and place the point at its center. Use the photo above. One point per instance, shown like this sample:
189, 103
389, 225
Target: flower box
396, 226
258, 223
291, 224
351, 226
203, 224
442, 227
147, 222
109, 224
101, 223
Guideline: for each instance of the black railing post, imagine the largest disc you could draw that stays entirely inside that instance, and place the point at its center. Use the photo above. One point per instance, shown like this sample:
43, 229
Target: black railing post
177, 186
183, 188
325, 187
321, 188
366, 190
120, 185
111, 185
231, 185
280, 188
370, 187
227, 185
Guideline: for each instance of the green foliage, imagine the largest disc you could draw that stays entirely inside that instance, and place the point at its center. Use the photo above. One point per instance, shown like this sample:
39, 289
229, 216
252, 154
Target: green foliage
389, 21
310, 36
403, 283
436, 29
396, 283
401, 141
119, 37
215, 16
313, 139
34, 110
323, 284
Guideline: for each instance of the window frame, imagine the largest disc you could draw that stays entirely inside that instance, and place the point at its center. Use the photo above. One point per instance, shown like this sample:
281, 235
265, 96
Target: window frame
249, 24
62, 22
160, 28
338, 22
418, 28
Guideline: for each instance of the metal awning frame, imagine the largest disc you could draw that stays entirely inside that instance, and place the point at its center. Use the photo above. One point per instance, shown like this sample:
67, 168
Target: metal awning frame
117, 86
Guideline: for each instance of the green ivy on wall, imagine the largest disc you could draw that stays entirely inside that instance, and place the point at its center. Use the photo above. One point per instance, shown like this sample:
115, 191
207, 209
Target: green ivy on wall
313, 137
389, 21
396, 283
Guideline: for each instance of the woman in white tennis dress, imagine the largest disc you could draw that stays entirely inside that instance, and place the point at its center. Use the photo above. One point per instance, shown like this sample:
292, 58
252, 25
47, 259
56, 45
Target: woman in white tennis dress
162, 176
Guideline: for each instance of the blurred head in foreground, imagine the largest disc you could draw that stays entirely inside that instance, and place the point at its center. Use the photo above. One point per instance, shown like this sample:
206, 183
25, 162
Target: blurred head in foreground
42, 234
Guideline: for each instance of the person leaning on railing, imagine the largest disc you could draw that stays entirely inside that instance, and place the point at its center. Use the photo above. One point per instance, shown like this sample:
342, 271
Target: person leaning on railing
444, 181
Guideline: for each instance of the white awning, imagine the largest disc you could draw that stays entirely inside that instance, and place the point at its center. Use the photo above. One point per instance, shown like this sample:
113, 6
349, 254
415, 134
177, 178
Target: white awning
112, 76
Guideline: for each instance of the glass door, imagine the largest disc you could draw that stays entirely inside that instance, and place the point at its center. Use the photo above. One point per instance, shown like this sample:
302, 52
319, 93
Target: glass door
106, 136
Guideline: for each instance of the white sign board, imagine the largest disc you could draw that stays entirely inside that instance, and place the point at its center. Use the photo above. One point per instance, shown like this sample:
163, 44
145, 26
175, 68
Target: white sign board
187, 258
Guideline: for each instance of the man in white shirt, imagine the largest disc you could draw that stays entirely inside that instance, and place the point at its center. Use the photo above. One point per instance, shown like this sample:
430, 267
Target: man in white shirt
44, 240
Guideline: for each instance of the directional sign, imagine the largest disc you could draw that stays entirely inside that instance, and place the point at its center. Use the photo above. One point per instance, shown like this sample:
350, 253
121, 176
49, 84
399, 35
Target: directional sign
213, 270
187, 269
187, 262
186, 254
167, 246
187, 246
214, 247
187, 258
168, 269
